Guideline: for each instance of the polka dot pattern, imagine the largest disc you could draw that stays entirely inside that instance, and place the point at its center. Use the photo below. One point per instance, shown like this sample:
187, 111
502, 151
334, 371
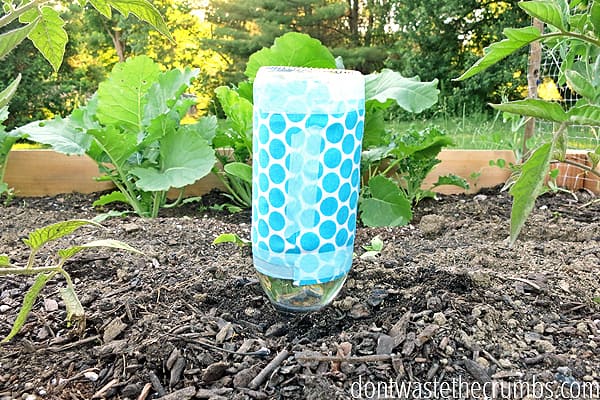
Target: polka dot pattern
305, 186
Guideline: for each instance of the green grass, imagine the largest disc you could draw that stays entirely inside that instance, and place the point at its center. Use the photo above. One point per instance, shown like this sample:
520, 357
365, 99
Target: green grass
484, 132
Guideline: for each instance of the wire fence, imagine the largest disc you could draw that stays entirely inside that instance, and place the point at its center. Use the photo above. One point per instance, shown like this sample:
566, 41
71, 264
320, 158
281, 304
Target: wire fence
550, 84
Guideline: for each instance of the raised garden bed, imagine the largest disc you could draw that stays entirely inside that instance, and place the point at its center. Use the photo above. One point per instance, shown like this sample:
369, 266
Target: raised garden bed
446, 299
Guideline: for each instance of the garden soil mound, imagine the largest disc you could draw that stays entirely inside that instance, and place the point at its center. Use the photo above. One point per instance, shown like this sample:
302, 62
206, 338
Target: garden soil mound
446, 301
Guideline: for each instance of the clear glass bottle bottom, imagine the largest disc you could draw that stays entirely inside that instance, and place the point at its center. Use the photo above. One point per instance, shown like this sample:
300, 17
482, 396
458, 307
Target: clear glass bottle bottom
293, 298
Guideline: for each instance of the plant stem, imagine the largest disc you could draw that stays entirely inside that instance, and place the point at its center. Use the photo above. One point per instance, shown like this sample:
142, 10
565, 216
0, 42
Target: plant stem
578, 165
10, 17
28, 270
572, 35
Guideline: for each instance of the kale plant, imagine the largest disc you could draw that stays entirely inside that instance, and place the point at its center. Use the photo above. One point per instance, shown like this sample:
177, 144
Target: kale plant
234, 141
40, 22
396, 167
132, 129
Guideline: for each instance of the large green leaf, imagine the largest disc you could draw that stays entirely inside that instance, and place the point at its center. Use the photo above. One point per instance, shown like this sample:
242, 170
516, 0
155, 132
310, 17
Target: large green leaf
62, 134
142, 9
409, 93
185, 158
546, 11
48, 35
595, 16
102, 7
9, 91
528, 187
11, 39
110, 243
112, 197
516, 39
588, 114
205, 127
581, 85
28, 302
534, 108
237, 109
387, 205
122, 97
240, 170
115, 145
163, 94
292, 50
43, 235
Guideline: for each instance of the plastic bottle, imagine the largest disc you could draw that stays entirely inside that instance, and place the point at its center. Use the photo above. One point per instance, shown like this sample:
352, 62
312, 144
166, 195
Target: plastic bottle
308, 128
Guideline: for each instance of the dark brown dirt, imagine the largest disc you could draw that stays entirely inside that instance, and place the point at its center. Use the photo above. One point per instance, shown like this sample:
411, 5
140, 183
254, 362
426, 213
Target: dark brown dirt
446, 299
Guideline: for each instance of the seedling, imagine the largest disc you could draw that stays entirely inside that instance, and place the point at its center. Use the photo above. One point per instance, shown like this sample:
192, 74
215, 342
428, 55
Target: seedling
232, 238
35, 241
373, 249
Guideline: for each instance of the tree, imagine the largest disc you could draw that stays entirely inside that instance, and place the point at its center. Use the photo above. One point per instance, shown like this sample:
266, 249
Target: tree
353, 29
440, 39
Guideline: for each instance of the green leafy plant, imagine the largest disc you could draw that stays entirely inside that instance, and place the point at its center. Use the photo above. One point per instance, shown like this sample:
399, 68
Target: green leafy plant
382, 90
232, 238
396, 166
574, 29
132, 129
373, 249
40, 22
35, 241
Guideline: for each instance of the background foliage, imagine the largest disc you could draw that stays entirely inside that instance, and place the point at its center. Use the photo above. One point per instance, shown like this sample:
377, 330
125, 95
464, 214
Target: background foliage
431, 39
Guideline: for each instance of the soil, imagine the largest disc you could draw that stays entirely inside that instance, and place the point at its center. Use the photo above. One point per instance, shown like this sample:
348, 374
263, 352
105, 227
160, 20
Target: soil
446, 300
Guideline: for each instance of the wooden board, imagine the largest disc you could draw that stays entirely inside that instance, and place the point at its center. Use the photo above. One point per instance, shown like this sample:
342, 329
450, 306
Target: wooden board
474, 166
47, 173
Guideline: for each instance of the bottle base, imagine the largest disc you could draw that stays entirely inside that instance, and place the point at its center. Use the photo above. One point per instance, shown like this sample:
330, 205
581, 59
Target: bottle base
288, 297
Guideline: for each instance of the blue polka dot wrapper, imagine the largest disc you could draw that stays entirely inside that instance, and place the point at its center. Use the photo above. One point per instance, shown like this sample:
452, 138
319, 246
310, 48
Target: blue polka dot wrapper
308, 127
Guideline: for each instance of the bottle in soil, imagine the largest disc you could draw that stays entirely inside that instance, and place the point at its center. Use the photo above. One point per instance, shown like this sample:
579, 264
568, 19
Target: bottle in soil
308, 128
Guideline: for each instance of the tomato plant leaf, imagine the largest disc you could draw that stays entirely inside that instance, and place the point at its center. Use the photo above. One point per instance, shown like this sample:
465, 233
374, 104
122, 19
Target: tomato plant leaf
4, 260
28, 302
516, 39
293, 49
546, 11
185, 158
386, 206
142, 9
411, 94
581, 85
102, 7
10, 90
41, 236
48, 35
122, 97
528, 187
534, 108
588, 114
595, 16
11, 39
110, 243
